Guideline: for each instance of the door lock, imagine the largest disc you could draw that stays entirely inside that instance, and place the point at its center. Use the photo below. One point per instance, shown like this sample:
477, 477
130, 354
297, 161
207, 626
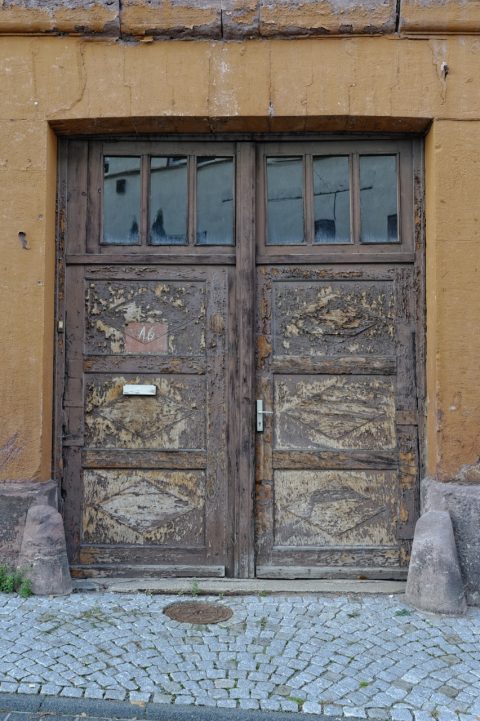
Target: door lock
260, 414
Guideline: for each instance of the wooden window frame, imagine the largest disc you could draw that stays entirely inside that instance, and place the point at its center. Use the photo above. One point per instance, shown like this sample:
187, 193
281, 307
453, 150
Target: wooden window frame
402, 250
146, 150
355, 251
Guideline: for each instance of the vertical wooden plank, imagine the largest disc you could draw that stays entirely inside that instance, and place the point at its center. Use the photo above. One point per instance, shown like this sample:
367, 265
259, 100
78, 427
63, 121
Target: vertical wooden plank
76, 211
405, 196
216, 432
264, 509
232, 403
94, 222
420, 275
261, 202
245, 301
72, 501
60, 308
407, 479
72, 486
405, 338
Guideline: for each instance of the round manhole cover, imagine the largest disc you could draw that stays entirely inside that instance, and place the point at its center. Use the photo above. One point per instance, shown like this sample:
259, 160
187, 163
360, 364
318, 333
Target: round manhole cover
198, 612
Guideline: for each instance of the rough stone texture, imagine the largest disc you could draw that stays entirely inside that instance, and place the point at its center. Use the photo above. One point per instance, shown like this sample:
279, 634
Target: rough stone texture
240, 18
237, 18
326, 17
434, 580
439, 16
172, 18
463, 504
60, 16
15, 500
212, 19
43, 554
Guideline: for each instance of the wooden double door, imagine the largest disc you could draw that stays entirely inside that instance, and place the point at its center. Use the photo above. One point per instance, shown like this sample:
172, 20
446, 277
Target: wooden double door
168, 465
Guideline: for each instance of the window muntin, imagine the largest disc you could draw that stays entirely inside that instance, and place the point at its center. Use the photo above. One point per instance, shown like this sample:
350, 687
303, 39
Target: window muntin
342, 198
169, 199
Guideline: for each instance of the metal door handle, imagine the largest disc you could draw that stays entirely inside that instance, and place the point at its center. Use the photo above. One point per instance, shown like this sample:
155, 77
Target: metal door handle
260, 414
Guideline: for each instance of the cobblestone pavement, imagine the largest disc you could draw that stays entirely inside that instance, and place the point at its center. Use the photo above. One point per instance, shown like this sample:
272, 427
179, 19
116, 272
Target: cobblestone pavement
352, 656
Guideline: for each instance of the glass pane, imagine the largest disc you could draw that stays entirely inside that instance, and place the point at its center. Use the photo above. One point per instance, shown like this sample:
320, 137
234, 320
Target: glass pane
121, 200
168, 201
284, 200
331, 188
378, 199
215, 201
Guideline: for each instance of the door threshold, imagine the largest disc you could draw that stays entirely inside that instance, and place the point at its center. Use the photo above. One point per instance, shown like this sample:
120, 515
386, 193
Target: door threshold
237, 586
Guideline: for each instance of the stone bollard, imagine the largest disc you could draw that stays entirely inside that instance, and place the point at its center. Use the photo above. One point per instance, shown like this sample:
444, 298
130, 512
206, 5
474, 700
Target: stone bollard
461, 498
434, 580
43, 555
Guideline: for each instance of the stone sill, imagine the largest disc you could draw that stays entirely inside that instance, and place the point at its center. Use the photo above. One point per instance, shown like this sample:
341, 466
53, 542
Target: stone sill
237, 19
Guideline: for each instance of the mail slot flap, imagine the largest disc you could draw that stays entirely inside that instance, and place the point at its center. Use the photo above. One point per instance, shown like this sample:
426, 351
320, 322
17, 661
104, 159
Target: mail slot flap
136, 389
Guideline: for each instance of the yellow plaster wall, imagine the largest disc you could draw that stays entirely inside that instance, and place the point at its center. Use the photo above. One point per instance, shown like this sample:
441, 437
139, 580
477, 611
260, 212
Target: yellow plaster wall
453, 294
311, 84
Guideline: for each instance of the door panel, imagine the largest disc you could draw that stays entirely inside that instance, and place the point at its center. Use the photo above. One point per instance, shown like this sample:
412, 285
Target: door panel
337, 459
333, 412
152, 468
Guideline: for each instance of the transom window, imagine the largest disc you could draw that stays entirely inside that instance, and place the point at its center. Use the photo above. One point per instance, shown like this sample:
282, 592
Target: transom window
310, 198
190, 200
318, 196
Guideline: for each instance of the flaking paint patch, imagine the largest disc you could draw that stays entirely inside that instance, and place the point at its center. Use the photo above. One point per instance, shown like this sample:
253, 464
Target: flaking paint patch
114, 336
180, 307
321, 318
144, 507
173, 419
324, 508
334, 412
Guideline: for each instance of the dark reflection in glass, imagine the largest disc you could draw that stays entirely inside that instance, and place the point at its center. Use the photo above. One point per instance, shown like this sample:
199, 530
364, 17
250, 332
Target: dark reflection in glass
168, 201
285, 200
121, 200
215, 205
378, 199
331, 188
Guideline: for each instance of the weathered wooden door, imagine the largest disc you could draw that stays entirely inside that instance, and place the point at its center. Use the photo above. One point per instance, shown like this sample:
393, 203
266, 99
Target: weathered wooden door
337, 461
144, 417
200, 278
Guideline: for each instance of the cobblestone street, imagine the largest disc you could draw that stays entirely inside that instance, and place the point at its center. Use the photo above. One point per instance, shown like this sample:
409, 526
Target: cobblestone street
356, 656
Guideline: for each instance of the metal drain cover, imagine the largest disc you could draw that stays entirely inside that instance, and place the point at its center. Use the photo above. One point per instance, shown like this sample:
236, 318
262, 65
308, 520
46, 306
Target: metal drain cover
198, 612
